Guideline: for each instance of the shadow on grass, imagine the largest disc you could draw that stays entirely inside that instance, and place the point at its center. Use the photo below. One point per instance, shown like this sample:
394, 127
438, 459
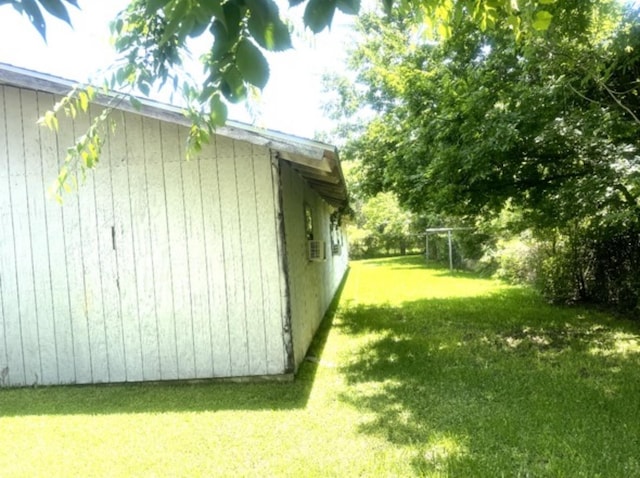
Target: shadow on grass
414, 262
398, 262
499, 385
179, 396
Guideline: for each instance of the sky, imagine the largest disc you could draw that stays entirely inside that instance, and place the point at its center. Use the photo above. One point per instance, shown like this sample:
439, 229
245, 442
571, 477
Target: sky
291, 102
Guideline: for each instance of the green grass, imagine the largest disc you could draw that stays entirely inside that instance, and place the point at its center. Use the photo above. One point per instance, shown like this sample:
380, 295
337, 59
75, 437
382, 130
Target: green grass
418, 373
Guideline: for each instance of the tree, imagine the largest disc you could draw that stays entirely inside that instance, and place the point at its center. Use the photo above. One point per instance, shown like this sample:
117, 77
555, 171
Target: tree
152, 36
389, 226
476, 120
475, 124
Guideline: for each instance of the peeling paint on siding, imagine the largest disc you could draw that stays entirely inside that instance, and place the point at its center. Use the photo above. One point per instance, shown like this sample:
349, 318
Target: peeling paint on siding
282, 247
154, 270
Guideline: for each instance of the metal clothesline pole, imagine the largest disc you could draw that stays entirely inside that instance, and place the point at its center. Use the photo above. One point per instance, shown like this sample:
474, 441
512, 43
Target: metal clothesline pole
426, 247
448, 230
450, 251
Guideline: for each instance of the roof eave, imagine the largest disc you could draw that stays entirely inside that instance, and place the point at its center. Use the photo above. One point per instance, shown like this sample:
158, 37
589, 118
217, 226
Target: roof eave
304, 154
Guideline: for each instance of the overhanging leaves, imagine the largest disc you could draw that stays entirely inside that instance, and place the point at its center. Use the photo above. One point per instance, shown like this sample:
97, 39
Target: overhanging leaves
252, 64
31, 8
154, 5
218, 114
318, 14
542, 20
57, 9
472, 122
266, 26
232, 86
350, 7
151, 37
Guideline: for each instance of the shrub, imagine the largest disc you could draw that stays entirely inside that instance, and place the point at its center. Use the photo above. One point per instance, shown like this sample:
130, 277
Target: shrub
512, 259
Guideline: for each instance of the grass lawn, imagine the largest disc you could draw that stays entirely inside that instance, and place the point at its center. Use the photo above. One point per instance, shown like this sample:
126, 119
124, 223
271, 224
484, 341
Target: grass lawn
418, 373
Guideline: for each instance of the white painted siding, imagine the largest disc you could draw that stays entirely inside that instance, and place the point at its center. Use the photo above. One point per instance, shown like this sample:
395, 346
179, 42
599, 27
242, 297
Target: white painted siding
312, 284
156, 269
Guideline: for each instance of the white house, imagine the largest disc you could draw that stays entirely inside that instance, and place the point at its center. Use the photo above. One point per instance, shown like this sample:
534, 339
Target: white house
159, 268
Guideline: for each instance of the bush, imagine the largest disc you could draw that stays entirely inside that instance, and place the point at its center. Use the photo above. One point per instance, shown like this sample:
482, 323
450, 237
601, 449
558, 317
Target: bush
556, 278
595, 264
513, 260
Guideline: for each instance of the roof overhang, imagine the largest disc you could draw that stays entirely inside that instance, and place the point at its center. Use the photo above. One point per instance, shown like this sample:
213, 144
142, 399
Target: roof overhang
315, 161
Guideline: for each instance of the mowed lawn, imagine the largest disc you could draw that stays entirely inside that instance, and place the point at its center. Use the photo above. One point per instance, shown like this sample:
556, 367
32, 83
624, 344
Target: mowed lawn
417, 373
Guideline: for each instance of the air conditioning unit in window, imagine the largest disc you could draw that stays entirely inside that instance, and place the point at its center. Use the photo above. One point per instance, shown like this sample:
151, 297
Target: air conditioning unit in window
316, 251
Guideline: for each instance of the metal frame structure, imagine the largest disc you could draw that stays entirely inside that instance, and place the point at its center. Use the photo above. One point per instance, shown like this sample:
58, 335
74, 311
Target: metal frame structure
439, 230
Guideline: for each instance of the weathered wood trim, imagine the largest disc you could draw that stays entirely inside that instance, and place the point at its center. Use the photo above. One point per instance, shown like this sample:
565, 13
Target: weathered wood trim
312, 284
287, 332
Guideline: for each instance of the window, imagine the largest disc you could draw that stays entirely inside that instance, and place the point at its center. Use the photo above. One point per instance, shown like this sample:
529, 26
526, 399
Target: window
316, 251
335, 234
308, 222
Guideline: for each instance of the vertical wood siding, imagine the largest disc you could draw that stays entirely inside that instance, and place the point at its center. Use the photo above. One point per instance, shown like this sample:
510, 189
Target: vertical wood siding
156, 269
312, 284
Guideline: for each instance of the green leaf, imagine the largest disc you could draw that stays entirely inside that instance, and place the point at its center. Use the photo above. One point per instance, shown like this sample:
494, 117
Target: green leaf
546, 2
57, 9
144, 88
225, 31
232, 85
70, 110
318, 14
221, 43
273, 37
207, 92
252, 64
214, 9
219, 112
233, 17
50, 121
116, 26
513, 21
266, 26
31, 9
387, 5
201, 23
83, 100
155, 5
177, 19
135, 102
187, 24
542, 20
350, 7
444, 30
119, 77
265, 10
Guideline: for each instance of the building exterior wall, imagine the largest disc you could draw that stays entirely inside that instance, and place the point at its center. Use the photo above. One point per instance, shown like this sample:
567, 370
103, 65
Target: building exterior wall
312, 285
155, 269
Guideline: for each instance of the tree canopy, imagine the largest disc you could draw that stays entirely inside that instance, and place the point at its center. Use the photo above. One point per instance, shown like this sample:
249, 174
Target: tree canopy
545, 129
466, 124
152, 39
480, 107
152, 36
